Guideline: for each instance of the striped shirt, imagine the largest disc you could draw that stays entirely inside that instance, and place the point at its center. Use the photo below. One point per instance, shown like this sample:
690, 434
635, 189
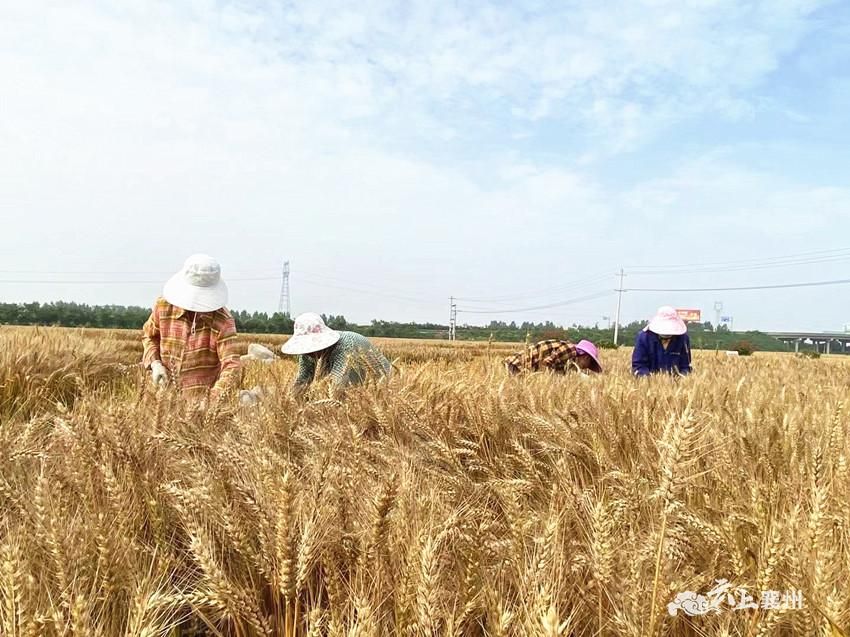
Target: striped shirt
552, 354
349, 361
198, 349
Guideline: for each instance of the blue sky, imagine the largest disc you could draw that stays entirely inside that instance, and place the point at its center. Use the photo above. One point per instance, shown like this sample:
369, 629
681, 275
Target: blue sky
399, 153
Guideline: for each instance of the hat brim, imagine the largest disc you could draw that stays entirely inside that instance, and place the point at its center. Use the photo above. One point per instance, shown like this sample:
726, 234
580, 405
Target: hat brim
195, 299
665, 326
309, 343
581, 350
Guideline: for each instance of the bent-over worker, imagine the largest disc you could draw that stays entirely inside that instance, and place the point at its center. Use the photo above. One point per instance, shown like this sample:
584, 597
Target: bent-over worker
663, 345
346, 357
556, 356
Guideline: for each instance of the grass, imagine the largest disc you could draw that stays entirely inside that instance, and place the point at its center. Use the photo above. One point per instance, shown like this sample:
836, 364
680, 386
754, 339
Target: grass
452, 501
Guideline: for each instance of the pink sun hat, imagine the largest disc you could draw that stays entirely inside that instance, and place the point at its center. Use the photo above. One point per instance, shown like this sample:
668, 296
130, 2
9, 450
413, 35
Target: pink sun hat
310, 335
666, 321
586, 347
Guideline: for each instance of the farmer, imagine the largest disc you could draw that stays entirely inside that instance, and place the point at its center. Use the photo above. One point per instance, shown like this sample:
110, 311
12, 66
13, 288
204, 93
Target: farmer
346, 357
663, 345
557, 356
190, 336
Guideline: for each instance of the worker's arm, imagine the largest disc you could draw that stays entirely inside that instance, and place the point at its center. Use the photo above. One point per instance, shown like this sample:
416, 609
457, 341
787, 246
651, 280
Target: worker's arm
685, 357
512, 364
305, 375
553, 359
150, 338
529, 359
640, 356
230, 375
340, 370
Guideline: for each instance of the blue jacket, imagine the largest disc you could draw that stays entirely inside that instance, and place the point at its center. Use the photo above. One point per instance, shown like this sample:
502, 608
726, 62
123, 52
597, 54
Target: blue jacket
650, 356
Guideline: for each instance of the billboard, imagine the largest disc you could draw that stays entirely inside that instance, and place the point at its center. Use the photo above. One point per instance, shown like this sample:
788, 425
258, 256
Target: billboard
690, 316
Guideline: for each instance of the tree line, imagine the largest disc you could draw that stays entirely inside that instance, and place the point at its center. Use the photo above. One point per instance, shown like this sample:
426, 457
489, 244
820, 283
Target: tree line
68, 314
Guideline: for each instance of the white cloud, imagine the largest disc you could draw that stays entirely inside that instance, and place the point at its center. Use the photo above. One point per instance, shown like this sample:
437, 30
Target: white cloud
417, 69
714, 192
374, 144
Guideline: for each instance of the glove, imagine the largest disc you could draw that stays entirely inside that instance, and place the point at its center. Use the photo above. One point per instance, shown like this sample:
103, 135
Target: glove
159, 375
250, 396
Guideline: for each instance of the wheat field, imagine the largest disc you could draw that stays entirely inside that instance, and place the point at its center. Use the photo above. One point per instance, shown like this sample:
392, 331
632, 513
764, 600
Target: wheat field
452, 500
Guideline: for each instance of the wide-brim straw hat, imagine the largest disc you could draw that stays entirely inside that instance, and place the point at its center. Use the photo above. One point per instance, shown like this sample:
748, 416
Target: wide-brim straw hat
309, 335
666, 321
198, 286
586, 347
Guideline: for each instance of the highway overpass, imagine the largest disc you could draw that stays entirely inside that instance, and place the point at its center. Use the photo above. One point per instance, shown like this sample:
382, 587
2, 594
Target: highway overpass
824, 341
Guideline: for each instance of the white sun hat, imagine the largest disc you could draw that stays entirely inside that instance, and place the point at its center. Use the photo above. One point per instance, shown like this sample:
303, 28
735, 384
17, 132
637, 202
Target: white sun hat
310, 335
666, 321
198, 287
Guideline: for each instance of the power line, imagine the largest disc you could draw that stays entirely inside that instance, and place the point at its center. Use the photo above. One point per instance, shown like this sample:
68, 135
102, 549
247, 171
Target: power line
745, 287
746, 268
803, 258
277, 277
589, 297
478, 305
370, 292
750, 260
64, 272
540, 292
346, 283
123, 272
121, 282
815, 256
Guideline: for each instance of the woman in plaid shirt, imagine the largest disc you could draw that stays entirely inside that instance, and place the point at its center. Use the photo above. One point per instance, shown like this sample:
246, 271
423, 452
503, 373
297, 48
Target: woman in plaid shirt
557, 356
190, 337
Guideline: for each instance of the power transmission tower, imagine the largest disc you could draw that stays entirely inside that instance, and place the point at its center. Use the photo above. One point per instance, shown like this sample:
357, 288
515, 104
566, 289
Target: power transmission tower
284, 302
452, 319
718, 308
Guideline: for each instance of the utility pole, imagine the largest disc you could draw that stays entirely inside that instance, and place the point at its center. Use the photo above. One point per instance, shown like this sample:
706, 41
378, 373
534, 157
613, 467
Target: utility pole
619, 305
452, 319
283, 304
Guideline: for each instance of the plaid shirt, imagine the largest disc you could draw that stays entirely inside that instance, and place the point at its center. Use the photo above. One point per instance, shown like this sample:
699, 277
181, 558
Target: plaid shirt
348, 362
198, 358
552, 354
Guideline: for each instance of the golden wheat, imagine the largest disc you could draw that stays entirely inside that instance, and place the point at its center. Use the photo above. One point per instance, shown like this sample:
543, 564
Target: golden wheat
452, 500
